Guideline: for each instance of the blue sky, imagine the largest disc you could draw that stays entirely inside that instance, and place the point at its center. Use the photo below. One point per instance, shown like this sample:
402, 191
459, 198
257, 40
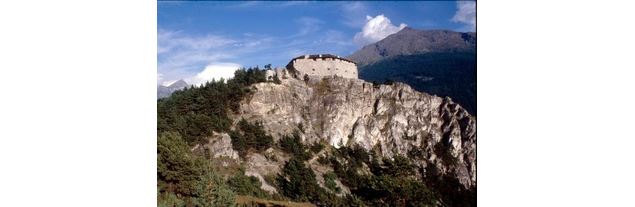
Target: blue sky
198, 41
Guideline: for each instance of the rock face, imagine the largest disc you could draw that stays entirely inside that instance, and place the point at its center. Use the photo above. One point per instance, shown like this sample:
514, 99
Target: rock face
390, 119
220, 144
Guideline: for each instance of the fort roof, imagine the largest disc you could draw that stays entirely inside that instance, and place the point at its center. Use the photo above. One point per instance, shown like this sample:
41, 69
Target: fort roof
322, 56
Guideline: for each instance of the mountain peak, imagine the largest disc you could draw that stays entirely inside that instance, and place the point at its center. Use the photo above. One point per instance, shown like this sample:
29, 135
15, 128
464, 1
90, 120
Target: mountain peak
165, 91
411, 41
178, 84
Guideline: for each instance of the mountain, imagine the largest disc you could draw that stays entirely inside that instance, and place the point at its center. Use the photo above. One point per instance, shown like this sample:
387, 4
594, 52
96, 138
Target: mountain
165, 91
438, 62
362, 131
328, 141
388, 119
410, 41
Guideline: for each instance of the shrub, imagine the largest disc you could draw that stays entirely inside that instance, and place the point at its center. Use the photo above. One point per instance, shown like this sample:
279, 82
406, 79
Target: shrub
276, 80
186, 178
293, 145
329, 182
242, 184
298, 182
317, 147
250, 136
195, 112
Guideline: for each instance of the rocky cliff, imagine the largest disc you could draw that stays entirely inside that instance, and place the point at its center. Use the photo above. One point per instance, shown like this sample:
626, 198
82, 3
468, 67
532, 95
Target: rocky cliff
388, 119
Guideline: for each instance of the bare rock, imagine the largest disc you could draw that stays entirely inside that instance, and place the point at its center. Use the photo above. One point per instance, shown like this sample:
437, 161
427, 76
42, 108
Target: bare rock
392, 119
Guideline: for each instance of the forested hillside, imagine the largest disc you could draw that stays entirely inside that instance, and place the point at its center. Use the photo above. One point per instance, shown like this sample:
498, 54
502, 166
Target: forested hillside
440, 73
309, 173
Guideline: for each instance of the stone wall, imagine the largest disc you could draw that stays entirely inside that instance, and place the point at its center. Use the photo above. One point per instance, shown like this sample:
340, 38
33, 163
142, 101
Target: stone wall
325, 67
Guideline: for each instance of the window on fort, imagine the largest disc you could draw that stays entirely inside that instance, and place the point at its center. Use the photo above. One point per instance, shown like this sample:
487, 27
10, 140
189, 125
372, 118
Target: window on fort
313, 69
328, 68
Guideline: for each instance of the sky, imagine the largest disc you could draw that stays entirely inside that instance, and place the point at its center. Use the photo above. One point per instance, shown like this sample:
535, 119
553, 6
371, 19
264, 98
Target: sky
204, 40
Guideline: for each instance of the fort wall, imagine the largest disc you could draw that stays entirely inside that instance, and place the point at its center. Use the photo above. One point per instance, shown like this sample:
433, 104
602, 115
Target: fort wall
324, 66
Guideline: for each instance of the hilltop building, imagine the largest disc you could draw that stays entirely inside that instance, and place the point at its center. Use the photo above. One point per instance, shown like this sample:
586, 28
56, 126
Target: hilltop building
323, 65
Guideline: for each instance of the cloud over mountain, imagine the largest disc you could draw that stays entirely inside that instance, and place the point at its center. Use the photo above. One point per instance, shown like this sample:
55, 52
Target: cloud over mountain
214, 71
466, 13
376, 28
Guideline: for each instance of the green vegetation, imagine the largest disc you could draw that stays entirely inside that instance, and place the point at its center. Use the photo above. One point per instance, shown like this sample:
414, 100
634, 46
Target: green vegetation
197, 111
450, 74
448, 188
317, 147
297, 181
329, 182
276, 80
185, 179
186, 118
250, 137
396, 181
293, 145
247, 185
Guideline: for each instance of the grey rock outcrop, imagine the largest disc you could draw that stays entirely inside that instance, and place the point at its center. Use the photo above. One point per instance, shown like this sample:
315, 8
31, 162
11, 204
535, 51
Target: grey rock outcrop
389, 119
220, 144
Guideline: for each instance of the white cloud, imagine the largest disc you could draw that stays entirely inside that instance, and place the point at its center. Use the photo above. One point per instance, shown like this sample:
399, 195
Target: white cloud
182, 55
353, 13
466, 14
309, 25
376, 28
214, 71
159, 77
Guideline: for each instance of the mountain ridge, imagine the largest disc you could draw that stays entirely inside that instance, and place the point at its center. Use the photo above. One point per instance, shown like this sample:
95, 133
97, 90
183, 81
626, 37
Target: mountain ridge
439, 62
409, 41
165, 91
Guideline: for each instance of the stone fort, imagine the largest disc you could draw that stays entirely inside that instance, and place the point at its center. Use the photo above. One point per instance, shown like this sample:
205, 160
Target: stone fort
323, 65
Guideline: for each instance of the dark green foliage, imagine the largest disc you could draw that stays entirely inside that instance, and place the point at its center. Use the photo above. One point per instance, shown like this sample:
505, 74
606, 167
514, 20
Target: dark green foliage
355, 155
416, 153
177, 170
323, 160
394, 191
250, 137
450, 74
186, 179
306, 78
293, 145
195, 112
298, 182
242, 184
448, 188
276, 80
443, 150
301, 126
329, 182
391, 183
399, 166
317, 147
